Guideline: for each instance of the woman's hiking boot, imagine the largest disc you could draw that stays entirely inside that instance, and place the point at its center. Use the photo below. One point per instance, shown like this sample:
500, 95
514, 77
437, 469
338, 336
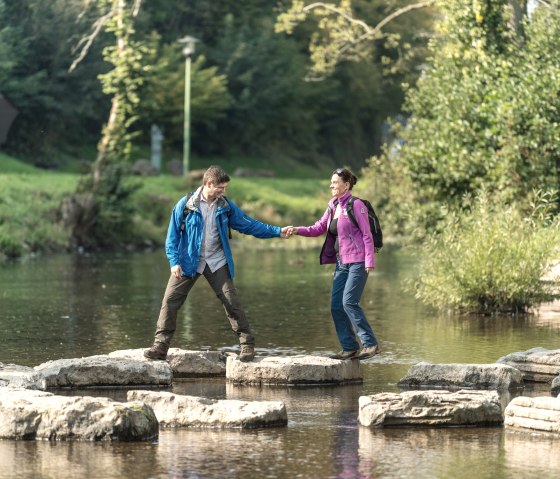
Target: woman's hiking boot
369, 352
344, 355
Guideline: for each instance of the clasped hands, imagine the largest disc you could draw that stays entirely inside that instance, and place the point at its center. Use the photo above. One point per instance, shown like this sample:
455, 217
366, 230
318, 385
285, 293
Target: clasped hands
288, 231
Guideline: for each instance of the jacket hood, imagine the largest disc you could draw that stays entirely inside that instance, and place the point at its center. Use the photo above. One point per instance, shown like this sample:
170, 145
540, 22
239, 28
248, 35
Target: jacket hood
194, 201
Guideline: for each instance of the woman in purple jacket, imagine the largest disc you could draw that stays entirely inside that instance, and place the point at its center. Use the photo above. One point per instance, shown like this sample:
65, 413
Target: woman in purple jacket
351, 248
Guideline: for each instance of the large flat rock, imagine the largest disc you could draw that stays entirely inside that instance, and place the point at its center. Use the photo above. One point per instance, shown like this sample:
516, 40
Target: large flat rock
431, 408
104, 371
464, 376
538, 413
29, 414
537, 364
293, 370
174, 410
184, 363
12, 375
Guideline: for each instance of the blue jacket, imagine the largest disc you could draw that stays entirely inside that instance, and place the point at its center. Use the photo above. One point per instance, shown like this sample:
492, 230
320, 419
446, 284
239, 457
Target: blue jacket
183, 247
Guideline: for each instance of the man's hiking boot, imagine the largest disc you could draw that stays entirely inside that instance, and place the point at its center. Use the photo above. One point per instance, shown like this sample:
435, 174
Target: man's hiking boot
369, 352
157, 351
344, 355
247, 353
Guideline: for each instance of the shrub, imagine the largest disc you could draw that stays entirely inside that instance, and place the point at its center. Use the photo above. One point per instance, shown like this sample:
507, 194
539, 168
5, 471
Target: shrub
491, 257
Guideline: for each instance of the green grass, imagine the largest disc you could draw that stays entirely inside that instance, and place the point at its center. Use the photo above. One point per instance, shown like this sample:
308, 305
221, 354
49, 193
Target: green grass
8, 164
30, 202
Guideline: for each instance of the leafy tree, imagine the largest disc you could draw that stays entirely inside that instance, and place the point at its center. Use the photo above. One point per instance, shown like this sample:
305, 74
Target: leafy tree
162, 94
481, 115
99, 213
36, 51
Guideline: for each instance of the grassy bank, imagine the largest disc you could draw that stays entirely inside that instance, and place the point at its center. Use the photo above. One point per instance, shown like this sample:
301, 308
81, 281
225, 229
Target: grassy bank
30, 199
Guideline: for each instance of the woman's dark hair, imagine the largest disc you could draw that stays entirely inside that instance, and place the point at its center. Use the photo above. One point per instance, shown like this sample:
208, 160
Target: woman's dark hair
346, 175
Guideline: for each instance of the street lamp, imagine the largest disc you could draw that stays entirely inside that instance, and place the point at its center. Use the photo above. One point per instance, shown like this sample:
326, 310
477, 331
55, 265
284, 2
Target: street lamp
188, 51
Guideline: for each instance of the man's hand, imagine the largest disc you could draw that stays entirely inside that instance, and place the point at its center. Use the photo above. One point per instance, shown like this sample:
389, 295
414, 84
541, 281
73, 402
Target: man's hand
286, 232
177, 271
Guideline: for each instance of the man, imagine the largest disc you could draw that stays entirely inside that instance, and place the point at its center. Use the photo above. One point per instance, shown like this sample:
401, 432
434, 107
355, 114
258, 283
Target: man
198, 244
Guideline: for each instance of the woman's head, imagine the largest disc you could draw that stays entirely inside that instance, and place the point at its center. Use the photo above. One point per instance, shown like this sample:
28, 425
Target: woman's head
342, 180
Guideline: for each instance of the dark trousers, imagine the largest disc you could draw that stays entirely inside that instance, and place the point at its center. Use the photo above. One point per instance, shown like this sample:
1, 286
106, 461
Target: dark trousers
177, 291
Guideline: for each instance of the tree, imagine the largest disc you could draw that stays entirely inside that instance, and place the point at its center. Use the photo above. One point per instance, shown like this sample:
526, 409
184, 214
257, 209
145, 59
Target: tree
484, 114
99, 213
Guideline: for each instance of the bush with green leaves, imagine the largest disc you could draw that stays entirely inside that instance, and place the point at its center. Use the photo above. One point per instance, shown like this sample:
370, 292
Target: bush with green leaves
491, 257
484, 114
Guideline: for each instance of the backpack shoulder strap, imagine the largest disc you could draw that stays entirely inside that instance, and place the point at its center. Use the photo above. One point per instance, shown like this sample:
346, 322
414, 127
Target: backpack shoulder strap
350, 210
186, 210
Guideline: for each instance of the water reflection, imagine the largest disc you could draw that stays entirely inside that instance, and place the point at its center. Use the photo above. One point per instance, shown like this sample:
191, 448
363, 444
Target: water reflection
64, 306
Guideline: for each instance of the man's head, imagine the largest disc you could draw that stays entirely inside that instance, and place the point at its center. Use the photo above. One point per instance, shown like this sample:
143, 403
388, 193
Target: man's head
214, 182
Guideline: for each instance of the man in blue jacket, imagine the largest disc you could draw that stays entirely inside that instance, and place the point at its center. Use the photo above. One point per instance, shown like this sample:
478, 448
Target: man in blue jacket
198, 244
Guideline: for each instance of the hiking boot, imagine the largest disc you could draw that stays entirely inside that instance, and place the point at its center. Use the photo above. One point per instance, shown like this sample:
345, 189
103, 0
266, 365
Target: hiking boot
247, 353
369, 352
157, 351
344, 355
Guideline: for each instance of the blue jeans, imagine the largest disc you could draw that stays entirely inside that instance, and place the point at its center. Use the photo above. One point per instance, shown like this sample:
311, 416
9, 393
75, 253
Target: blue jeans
348, 285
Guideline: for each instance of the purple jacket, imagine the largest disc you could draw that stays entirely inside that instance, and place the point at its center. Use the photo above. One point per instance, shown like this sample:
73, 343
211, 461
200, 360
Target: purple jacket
355, 244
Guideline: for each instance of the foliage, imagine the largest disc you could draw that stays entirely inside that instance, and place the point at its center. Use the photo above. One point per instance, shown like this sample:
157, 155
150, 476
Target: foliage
30, 218
165, 85
28, 210
491, 257
484, 114
248, 95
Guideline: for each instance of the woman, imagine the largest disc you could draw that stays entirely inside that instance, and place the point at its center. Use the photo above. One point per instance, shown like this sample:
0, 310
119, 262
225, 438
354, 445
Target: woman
351, 248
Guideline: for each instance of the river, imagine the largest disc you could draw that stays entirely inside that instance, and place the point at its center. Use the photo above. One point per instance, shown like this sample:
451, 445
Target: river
68, 306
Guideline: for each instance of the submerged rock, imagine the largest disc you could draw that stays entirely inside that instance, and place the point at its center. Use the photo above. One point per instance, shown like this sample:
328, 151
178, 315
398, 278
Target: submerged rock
293, 370
27, 414
12, 375
555, 386
464, 376
537, 364
184, 363
539, 413
174, 410
430, 408
103, 371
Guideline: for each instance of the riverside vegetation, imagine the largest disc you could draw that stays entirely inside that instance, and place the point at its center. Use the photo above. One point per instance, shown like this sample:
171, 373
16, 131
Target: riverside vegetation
30, 204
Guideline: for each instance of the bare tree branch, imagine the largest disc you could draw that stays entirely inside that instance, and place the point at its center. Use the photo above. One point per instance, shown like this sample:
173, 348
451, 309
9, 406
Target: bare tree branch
136, 7
85, 42
339, 12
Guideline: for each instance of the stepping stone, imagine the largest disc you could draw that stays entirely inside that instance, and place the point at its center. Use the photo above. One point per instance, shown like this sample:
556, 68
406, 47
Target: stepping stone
555, 386
539, 413
103, 371
431, 408
29, 414
536, 365
184, 363
174, 410
12, 375
464, 376
293, 370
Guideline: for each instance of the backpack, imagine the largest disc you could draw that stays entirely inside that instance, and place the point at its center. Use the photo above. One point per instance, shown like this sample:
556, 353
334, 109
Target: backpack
374, 225
186, 212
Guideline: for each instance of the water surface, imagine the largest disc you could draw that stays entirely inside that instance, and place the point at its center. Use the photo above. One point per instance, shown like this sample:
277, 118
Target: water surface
73, 306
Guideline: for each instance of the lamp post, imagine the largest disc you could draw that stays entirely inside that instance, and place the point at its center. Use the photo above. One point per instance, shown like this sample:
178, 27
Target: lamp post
188, 51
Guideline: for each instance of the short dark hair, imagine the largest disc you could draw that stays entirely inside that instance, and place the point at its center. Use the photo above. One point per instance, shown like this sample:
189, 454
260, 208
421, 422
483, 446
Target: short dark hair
346, 175
216, 175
